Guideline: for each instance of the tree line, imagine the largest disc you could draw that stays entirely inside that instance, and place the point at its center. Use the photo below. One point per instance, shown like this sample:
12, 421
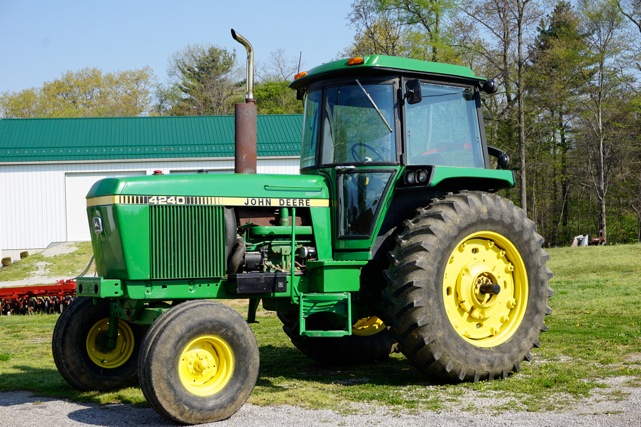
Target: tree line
201, 80
568, 110
569, 105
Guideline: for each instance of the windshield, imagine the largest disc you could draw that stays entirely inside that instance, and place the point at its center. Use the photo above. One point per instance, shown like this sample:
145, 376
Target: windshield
443, 129
358, 124
310, 129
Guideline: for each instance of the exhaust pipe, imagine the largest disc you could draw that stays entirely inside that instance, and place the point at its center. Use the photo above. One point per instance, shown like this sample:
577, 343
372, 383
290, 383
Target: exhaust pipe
249, 95
245, 122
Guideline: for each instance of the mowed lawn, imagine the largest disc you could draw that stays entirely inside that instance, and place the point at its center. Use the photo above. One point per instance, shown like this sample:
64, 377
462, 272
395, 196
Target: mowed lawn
594, 335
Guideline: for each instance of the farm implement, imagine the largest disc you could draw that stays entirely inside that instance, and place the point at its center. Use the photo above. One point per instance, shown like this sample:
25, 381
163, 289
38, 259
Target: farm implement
34, 299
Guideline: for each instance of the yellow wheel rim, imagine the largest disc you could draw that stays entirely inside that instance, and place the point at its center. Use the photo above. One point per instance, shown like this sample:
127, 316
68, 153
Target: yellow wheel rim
368, 326
479, 315
98, 349
206, 365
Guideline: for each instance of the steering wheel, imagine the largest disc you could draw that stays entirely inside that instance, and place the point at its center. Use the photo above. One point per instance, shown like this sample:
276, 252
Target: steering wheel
376, 156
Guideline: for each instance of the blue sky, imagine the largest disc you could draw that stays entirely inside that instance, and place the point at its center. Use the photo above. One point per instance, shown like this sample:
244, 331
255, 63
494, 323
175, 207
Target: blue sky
42, 39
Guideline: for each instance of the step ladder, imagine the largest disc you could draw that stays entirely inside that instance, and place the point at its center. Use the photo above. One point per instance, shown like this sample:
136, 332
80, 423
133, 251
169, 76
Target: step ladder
338, 303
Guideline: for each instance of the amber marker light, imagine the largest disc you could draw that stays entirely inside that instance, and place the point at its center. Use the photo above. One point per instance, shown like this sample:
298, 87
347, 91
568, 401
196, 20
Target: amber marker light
357, 60
300, 75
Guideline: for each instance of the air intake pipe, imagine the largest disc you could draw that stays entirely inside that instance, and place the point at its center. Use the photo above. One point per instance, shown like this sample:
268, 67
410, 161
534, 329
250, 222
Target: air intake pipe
245, 122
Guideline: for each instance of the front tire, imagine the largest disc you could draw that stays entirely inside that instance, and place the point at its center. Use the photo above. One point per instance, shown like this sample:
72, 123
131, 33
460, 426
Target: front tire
468, 287
201, 363
80, 351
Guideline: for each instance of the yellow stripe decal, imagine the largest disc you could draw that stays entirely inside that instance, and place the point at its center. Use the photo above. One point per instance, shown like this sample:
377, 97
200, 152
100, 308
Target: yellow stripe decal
104, 200
207, 200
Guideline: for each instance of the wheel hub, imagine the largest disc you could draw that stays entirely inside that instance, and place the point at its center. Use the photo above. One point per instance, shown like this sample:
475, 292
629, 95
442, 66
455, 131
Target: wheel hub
200, 364
101, 353
485, 289
206, 365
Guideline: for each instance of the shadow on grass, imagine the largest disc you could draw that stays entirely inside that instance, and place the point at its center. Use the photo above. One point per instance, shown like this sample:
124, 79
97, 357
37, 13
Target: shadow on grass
49, 383
275, 362
41, 390
289, 363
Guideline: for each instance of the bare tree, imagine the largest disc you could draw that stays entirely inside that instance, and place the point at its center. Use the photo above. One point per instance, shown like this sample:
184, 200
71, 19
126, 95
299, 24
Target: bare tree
509, 25
604, 30
279, 68
631, 9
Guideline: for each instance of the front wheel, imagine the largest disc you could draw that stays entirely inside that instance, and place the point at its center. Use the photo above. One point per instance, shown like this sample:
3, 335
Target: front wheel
82, 352
201, 363
468, 287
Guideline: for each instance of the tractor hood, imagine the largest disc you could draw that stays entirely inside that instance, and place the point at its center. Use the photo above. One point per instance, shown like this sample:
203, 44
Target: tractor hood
222, 189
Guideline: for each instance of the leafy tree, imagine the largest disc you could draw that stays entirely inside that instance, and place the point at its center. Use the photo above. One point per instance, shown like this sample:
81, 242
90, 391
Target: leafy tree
428, 20
204, 81
84, 93
555, 76
275, 97
377, 31
414, 28
272, 92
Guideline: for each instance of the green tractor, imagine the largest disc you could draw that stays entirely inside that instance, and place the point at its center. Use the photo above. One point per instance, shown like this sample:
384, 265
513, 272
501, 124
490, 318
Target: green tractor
390, 239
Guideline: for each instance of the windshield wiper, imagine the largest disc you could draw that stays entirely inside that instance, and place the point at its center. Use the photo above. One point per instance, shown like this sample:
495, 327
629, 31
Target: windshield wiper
374, 105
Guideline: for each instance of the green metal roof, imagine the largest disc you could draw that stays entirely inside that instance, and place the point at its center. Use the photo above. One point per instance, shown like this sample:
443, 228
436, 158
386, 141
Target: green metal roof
375, 63
133, 138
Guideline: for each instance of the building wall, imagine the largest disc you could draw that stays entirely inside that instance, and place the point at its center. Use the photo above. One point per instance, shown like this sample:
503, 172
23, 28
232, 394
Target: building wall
34, 199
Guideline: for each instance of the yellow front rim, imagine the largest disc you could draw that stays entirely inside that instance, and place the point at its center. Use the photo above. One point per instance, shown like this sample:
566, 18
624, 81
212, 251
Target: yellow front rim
206, 365
368, 326
98, 348
478, 314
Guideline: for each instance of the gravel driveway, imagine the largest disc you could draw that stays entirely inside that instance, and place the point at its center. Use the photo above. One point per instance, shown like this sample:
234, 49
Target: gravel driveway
22, 409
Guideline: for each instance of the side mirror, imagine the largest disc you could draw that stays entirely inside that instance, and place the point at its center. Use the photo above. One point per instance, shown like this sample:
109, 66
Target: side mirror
413, 92
489, 86
502, 159
300, 94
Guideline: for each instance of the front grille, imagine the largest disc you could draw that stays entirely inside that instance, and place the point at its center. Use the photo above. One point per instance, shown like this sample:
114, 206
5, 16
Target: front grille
187, 241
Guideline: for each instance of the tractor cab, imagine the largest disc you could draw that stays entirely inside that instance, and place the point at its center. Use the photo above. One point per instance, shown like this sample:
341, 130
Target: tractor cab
381, 129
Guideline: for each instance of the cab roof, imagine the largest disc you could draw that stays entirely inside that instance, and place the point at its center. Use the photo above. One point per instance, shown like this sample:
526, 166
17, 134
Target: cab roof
383, 63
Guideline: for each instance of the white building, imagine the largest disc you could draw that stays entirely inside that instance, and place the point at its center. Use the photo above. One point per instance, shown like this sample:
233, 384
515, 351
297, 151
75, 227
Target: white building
48, 165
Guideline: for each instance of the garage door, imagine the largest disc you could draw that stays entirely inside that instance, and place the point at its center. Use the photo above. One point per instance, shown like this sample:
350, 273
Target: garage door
77, 186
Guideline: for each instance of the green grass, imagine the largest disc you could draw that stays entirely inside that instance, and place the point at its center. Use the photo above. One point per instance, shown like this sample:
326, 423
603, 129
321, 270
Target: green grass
594, 333
63, 266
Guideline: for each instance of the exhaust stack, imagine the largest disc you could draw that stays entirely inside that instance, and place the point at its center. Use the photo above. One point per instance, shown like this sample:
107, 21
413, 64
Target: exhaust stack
245, 122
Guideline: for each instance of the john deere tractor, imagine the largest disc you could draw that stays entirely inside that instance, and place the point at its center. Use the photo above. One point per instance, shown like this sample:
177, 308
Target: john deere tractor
391, 237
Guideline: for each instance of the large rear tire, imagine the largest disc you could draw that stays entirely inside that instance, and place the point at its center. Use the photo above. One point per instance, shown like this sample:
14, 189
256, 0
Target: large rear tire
201, 363
370, 341
80, 350
468, 288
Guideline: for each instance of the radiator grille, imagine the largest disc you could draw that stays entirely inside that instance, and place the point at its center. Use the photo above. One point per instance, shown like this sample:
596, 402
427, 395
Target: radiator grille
187, 241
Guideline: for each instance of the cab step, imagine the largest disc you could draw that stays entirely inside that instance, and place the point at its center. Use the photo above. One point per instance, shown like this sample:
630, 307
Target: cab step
338, 303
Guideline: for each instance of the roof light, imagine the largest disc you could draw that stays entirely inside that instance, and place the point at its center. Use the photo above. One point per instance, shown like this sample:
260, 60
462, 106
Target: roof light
357, 60
300, 75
